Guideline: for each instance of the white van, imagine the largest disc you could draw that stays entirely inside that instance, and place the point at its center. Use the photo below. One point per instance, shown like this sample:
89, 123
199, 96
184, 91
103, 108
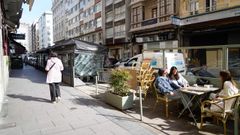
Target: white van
156, 58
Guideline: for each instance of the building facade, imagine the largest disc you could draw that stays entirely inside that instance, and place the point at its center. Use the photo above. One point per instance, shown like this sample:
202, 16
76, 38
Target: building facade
90, 21
35, 36
59, 19
116, 27
151, 24
80, 19
25, 28
209, 22
45, 23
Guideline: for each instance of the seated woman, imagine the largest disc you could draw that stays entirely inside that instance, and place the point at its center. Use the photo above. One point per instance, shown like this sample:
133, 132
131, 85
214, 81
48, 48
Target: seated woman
228, 89
164, 85
177, 78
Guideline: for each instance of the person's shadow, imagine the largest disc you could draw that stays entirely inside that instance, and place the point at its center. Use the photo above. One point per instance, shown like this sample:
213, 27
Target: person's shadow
29, 98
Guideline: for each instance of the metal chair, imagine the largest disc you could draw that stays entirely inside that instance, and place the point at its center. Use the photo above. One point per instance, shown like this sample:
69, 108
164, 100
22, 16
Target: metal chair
226, 110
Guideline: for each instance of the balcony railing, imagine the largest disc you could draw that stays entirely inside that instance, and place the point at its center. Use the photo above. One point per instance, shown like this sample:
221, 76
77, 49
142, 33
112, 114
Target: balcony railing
153, 21
149, 22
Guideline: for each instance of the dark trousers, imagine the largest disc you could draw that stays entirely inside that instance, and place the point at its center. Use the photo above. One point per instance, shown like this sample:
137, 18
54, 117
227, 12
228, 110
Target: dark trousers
54, 91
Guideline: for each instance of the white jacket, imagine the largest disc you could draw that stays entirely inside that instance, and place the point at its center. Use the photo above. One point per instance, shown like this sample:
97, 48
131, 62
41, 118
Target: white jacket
54, 75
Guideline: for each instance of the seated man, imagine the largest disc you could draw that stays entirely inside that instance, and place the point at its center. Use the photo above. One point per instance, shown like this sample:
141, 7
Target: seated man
164, 84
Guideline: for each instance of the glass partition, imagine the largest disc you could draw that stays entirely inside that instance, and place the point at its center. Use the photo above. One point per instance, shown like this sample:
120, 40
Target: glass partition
234, 62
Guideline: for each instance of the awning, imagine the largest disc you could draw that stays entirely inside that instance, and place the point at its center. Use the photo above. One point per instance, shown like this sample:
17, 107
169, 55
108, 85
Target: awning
12, 10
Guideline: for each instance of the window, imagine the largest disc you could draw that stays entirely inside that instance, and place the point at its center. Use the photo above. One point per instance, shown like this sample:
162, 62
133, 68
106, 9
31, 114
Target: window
82, 4
119, 30
109, 33
154, 13
99, 22
98, 7
165, 9
194, 7
136, 14
211, 5
109, 16
120, 12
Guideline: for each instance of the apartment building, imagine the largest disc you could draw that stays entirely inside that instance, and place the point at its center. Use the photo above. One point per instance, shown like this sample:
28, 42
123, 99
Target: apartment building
209, 22
116, 27
45, 23
151, 24
24, 28
59, 20
84, 20
35, 36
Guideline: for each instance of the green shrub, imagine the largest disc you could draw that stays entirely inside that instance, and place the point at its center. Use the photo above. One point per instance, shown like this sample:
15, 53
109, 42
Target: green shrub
119, 82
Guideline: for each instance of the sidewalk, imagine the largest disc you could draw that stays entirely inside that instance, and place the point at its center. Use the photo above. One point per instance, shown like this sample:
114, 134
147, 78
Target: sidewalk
31, 113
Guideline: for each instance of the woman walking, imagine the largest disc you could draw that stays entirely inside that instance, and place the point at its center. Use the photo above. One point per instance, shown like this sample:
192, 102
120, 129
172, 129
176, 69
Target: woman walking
54, 76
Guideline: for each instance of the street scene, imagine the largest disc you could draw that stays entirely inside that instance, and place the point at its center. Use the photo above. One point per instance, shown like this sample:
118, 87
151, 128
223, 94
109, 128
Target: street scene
148, 67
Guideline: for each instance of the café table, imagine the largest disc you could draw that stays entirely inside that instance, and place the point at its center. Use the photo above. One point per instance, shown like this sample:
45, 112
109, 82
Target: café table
195, 93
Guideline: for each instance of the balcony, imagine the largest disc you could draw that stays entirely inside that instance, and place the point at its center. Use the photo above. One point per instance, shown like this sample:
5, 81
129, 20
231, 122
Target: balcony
149, 22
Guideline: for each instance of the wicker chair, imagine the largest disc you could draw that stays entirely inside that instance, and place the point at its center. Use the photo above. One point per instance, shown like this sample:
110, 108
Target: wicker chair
165, 98
145, 77
225, 112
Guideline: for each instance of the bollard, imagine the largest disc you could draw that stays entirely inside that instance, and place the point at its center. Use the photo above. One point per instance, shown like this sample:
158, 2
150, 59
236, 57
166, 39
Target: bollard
96, 83
141, 108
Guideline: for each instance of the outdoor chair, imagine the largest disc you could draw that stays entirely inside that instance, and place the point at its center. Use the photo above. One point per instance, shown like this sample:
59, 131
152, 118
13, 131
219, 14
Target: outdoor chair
225, 111
145, 77
165, 98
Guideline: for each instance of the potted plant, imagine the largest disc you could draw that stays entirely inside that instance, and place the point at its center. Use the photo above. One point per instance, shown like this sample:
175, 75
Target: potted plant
119, 96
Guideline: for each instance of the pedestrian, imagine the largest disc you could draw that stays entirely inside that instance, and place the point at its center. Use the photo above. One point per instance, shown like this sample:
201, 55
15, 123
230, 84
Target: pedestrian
54, 76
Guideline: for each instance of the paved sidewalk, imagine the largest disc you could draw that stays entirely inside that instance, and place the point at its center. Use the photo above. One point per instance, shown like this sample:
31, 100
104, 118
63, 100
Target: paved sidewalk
31, 113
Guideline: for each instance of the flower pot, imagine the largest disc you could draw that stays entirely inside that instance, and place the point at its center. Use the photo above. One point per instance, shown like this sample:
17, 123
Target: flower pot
119, 102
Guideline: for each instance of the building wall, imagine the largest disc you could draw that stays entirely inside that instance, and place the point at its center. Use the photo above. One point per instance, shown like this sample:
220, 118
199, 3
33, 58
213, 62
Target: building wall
59, 18
35, 36
24, 28
81, 19
116, 23
45, 30
4, 67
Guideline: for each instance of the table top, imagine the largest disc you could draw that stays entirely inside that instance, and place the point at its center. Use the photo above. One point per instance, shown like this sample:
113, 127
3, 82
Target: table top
199, 90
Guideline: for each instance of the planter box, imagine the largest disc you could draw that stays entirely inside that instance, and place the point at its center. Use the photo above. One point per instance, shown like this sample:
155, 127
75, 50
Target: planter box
119, 102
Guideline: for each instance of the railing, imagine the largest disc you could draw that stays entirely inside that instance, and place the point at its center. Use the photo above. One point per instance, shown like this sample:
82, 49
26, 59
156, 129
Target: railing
209, 9
149, 21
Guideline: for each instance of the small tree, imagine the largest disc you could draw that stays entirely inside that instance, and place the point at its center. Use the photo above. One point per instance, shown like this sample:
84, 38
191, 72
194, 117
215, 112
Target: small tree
119, 82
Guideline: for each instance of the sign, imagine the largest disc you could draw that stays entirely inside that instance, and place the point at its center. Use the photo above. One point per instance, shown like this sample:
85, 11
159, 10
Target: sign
17, 36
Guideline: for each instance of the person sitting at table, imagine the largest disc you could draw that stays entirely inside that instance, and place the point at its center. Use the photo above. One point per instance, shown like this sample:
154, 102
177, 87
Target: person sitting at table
164, 85
177, 78
228, 89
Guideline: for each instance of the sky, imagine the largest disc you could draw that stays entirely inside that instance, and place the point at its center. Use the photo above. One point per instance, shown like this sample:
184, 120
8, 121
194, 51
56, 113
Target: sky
39, 7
